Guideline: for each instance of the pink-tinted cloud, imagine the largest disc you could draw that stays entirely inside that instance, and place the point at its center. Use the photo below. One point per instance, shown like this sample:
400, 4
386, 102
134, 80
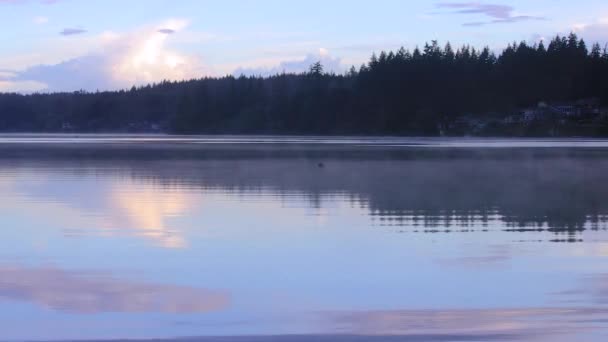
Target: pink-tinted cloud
491, 10
499, 14
517, 324
97, 293
121, 60
593, 287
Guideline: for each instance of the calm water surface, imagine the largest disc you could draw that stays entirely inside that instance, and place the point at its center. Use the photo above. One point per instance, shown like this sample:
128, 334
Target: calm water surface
141, 237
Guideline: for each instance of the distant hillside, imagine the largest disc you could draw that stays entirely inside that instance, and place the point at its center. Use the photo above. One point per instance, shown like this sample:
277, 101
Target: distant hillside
421, 92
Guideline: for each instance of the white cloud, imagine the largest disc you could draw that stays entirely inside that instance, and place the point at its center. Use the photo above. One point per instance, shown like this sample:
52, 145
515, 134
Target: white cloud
4, 74
596, 31
143, 57
40, 20
295, 65
119, 60
21, 86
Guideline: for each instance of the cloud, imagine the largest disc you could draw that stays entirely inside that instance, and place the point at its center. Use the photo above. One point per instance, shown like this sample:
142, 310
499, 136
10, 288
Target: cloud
21, 86
330, 64
83, 292
72, 31
475, 23
7, 84
118, 209
494, 257
41, 20
592, 287
149, 217
599, 288
596, 31
166, 31
74, 74
494, 11
4, 74
120, 60
499, 14
517, 324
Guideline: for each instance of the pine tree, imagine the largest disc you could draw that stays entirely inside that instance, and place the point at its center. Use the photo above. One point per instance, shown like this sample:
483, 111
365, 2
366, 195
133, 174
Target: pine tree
316, 69
582, 48
383, 58
448, 52
401, 54
373, 63
541, 48
352, 72
596, 51
417, 54
572, 40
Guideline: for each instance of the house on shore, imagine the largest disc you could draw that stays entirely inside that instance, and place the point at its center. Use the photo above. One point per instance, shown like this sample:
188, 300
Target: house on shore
556, 111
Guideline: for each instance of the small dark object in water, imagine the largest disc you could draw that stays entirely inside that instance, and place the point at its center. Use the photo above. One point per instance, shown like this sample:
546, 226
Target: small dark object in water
321, 165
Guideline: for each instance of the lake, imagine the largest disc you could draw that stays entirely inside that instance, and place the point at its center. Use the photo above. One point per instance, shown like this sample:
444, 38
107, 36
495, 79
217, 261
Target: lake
303, 238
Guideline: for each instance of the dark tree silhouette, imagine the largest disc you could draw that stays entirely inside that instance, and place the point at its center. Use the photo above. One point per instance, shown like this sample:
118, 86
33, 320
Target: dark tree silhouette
316, 69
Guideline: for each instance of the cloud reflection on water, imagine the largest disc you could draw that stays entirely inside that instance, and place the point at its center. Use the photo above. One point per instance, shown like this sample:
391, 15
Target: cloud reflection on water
267, 202
529, 324
517, 190
116, 208
592, 288
82, 292
146, 209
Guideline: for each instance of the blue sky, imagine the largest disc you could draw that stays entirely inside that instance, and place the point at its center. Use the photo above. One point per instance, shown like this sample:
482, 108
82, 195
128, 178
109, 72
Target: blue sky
52, 45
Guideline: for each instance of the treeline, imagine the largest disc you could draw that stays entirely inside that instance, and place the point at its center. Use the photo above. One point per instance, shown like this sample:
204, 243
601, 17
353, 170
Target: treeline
399, 92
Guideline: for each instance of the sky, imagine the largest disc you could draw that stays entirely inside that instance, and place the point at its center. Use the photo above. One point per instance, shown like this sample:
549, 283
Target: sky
69, 45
